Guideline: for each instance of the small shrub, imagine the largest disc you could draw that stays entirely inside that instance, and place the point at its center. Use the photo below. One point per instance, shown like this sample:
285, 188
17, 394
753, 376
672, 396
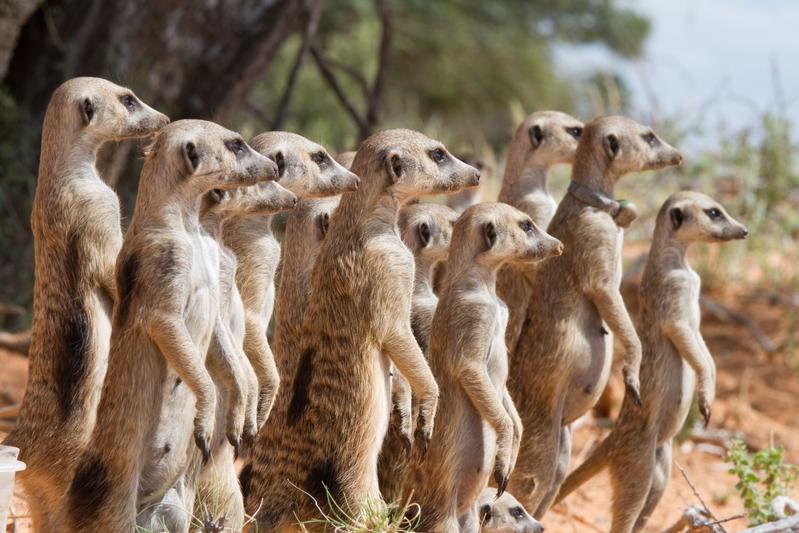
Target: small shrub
762, 476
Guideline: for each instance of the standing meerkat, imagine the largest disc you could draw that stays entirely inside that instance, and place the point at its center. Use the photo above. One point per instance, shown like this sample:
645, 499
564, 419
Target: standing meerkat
562, 359
542, 140
167, 280
478, 429
357, 325
675, 357
504, 514
306, 169
77, 236
426, 229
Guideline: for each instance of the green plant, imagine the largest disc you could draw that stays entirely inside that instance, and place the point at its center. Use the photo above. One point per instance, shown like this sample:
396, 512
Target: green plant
762, 476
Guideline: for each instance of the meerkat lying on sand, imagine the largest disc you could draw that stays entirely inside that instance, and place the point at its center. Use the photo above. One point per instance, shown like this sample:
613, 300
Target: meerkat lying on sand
675, 362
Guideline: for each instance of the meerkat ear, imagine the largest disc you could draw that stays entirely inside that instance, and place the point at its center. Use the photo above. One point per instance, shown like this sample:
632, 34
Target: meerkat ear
424, 234
191, 157
677, 217
489, 234
394, 166
485, 512
87, 111
536, 135
218, 195
611, 144
323, 224
280, 161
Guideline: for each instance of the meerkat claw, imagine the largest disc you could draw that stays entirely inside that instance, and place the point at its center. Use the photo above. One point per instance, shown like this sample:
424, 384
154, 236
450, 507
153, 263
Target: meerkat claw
704, 410
204, 446
236, 443
502, 483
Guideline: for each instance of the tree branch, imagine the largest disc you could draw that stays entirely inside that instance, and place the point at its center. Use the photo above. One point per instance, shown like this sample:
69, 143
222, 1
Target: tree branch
330, 78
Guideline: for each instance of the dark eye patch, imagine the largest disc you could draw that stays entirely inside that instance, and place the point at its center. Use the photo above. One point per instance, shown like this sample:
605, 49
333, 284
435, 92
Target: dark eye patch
438, 156
517, 513
714, 213
650, 139
575, 132
527, 226
130, 102
237, 146
320, 158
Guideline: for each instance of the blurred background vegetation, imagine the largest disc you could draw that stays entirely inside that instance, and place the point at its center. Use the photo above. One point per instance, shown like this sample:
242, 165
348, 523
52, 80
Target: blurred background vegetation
464, 71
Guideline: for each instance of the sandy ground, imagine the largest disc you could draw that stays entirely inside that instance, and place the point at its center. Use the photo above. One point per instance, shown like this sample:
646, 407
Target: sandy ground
757, 394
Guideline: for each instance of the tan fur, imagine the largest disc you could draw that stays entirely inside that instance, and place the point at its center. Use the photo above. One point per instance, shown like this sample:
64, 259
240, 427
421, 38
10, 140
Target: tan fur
478, 429
504, 514
562, 359
675, 357
542, 140
468, 197
77, 236
307, 170
167, 279
356, 325
426, 229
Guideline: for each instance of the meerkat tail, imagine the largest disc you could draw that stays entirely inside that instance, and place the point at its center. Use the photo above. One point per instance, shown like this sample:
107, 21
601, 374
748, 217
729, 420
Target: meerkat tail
596, 461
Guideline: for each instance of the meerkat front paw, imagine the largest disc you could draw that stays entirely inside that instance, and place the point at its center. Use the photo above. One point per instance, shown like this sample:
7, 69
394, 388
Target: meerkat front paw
204, 423
424, 426
633, 387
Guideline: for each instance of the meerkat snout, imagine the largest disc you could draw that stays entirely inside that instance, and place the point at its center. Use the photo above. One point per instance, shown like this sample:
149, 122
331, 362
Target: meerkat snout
695, 217
541, 245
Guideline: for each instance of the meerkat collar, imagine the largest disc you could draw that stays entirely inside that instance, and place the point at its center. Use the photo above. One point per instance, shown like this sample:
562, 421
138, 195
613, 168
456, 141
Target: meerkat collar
622, 211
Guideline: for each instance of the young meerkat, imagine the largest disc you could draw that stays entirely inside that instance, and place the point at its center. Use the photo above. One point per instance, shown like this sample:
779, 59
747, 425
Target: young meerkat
504, 514
237, 384
675, 362
543, 140
306, 169
357, 325
562, 358
478, 429
426, 229
77, 235
167, 281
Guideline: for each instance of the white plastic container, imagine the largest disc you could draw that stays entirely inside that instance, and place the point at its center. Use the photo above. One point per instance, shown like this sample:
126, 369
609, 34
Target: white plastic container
9, 466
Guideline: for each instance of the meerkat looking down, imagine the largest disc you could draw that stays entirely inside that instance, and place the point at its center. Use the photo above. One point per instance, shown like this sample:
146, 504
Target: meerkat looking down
542, 140
77, 235
357, 325
306, 169
675, 358
478, 428
426, 229
562, 358
167, 280
504, 514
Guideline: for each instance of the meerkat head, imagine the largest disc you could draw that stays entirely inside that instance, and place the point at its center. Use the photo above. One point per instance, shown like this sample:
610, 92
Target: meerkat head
504, 514
258, 200
695, 217
199, 156
345, 159
103, 111
304, 167
426, 229
548, 137
623, 145
409, 164
497, 233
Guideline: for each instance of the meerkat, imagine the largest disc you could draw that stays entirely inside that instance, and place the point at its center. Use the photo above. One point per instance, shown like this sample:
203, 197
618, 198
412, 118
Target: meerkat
77, 235
542, 140
459, 201
504, 514
357, 324
675, 362
562, 358
306, 169
478, 428
167, 282
237, 384
426, 229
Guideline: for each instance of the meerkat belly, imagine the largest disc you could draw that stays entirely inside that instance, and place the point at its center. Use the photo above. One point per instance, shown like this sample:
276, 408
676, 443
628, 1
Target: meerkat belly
497, 363
679, 393
590, 358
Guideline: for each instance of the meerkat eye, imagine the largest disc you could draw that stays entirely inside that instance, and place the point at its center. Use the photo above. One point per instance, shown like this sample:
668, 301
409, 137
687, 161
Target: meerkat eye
130, 102
485, 513
517, 513
237, 146
438, 155
713, 213
575, 132
650, 139
527, 226
320, 158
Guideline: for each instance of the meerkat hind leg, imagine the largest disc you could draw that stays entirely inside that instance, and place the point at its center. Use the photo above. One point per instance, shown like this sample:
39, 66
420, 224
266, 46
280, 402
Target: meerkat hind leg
632, 472
564, 456
538, 457
660, 479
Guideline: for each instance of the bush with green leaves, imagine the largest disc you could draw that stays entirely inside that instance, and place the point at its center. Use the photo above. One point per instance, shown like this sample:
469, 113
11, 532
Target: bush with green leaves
762, 477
